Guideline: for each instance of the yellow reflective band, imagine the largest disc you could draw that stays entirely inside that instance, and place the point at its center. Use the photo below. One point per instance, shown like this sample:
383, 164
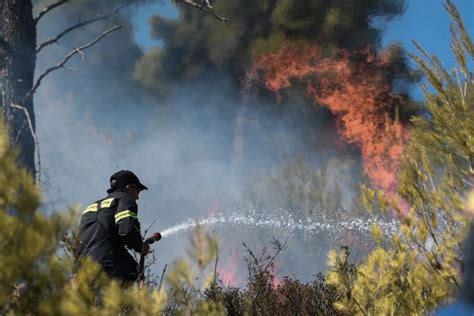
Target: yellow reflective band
106, 203
90, 208
124, 214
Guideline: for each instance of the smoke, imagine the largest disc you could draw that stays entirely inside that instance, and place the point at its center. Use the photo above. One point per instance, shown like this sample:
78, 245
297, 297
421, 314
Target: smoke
176, 126
183, 155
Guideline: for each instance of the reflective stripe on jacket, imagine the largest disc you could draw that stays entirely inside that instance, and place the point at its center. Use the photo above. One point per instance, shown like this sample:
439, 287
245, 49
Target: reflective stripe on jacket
107, 227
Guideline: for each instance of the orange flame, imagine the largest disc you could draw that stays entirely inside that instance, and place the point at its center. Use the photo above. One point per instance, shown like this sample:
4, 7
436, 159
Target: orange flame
276, 282
228, 274
358, 93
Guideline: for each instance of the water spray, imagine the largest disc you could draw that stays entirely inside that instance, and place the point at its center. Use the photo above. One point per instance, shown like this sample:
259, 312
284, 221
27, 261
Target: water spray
259, 219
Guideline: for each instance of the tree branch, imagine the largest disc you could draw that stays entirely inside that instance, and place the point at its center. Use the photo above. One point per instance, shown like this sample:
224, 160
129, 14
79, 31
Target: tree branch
49, 8
203, 6
77, 26
77, 50
68, 30
33, 134
148, 228
278, 248
162, 276
216, 262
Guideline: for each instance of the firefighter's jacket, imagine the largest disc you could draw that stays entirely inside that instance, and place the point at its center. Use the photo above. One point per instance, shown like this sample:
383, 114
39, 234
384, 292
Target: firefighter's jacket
107, 227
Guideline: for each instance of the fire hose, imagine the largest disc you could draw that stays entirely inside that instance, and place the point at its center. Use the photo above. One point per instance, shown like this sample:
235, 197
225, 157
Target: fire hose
141, 266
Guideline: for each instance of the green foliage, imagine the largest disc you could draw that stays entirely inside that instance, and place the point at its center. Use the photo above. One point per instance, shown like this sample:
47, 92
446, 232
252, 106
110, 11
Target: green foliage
190, 277
31, 273
91, 293
421, 268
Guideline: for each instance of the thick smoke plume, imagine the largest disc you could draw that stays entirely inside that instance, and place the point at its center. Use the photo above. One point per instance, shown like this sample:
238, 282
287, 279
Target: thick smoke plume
171, 115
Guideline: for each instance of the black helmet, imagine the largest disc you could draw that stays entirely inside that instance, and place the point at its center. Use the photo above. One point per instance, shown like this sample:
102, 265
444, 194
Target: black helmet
123, 178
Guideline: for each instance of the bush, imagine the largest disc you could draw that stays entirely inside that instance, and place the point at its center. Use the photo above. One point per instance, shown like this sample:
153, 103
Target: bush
421, 268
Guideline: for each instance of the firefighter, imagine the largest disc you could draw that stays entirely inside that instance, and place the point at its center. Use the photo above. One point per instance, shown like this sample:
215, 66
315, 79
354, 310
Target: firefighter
110, 225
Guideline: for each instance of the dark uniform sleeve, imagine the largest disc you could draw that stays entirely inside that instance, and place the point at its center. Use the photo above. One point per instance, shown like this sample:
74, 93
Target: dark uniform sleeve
127, 223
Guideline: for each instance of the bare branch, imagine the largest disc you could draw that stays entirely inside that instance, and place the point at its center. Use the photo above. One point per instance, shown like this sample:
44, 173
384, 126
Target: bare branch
162, 276
77, 26
66, 31
278, 247
49, 8
33, 134
204, 6
216, 262
77, 50
149, 227
71, 68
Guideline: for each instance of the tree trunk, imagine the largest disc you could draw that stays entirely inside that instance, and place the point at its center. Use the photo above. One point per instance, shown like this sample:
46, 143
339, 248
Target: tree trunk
17, 64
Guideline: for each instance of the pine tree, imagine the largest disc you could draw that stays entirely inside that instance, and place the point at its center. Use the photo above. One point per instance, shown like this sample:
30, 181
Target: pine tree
421, 267
30, 272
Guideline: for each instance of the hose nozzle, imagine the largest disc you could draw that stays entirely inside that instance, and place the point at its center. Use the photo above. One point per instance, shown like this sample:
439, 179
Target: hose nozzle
155, 237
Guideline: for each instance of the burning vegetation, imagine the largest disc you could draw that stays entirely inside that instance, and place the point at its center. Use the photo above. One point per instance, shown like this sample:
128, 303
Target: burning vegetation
358, 90
428, 163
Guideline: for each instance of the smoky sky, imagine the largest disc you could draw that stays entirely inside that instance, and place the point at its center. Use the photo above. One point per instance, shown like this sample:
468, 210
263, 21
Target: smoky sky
179, 133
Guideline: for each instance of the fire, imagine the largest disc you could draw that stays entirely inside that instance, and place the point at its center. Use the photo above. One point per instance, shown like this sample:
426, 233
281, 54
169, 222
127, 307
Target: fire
228, 274
276, 281
358, 93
